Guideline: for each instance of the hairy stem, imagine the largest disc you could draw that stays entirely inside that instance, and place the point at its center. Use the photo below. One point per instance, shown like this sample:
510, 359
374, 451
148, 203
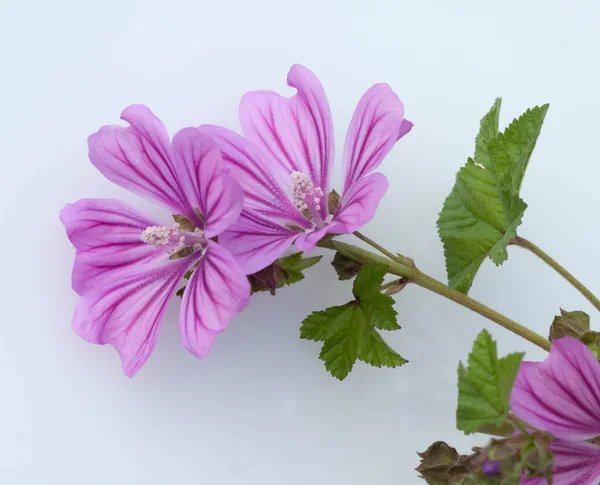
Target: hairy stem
524, 243
413, 274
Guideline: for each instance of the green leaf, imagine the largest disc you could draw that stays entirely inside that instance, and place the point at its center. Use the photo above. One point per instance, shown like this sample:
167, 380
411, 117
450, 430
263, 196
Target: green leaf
510, 151
484, 386
488, 129
481, 215
295, 265
349, 331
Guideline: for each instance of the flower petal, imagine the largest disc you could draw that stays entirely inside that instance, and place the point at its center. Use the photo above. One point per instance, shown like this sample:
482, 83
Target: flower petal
126, 312
534, 481
106, 234
307, 241
357, 207
575, 463
360, 202
265, 184
296, 131
205, 185
562, 394
378, 122
256, 241
138, 157
217, 290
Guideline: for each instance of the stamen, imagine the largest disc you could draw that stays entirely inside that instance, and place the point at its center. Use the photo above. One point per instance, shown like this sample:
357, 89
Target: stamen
306, 197
158, 235
301, 188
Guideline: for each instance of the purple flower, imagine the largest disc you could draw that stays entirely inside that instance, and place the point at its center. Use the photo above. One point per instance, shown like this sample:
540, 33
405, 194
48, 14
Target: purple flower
492, 468
561, 396
128, 265
285, 162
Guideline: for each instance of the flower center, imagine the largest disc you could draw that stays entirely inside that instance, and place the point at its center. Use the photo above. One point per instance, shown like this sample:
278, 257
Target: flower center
307, 198
178, 243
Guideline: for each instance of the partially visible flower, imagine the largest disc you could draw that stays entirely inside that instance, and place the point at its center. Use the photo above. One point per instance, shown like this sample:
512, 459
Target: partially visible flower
561, 396
128, 265
492, 468
285, 162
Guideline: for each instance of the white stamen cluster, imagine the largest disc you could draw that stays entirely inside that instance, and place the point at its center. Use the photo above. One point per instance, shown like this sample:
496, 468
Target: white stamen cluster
303, 189
157, 235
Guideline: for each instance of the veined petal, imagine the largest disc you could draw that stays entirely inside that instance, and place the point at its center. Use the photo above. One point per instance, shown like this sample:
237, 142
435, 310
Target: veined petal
357, 207
562, 394
217, 290
534, 481
575, 463
378, 122
138, 157
126, 312
256, 241
307, 241
296, 131
205, 186
266, 185
106, 234
359, 203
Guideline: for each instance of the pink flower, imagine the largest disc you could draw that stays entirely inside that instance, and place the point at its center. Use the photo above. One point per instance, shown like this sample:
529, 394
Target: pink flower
285, 162
128, 265
561, 396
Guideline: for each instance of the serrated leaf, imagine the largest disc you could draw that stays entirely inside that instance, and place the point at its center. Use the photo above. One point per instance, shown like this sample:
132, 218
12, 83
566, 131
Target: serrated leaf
508, 367
349, 331
488, 129
340, 351
323, 325
378, 308
510, 151
484, 386
295, 265
376, 352
481, 215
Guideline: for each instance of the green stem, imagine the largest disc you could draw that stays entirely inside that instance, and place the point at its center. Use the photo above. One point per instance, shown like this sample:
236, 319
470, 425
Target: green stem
394, 257
431, 284
524, 243
389, 285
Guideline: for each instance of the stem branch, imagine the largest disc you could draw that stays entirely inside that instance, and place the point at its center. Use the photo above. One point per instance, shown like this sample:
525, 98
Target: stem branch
413, 274
394, 257
389, 285
524, 243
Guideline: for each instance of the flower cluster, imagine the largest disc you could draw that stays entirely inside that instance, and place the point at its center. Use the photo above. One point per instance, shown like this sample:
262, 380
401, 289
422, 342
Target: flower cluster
238, 203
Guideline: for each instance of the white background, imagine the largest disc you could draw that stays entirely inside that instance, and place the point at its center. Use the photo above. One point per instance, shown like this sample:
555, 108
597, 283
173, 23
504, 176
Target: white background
261, 409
